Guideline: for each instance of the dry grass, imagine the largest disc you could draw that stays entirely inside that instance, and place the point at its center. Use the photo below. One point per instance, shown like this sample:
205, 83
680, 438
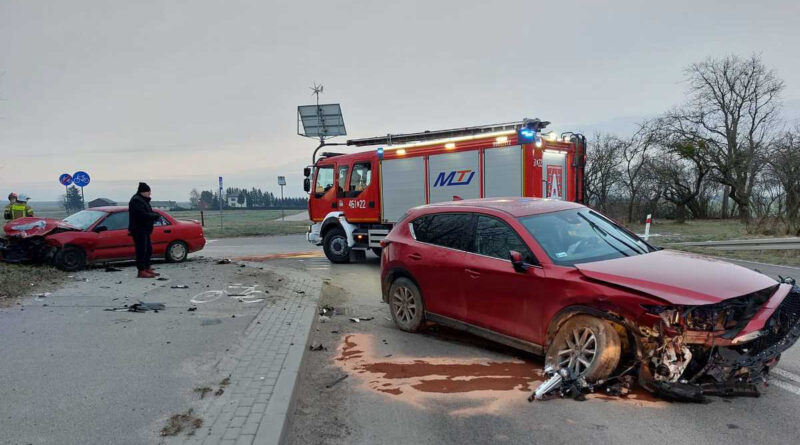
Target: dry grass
239, 223
17, 280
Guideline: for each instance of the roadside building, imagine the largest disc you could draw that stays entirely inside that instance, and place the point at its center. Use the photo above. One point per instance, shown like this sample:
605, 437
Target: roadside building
101, 202
164, 205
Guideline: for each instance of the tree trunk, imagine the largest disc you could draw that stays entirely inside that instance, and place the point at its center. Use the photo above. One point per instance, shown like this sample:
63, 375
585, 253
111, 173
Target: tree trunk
680, 213
725, 195
744, 212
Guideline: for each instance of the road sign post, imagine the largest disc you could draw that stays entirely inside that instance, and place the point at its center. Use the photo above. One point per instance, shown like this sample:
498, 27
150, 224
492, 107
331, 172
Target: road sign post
221, 227
81, 179
282, 182
65, 179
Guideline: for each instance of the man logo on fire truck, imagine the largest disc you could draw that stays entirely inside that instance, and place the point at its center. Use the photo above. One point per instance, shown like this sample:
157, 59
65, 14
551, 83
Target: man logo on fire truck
450, 179
554, 181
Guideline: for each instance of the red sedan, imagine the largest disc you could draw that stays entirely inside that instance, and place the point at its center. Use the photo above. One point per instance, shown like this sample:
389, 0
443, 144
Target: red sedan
97, 235
558, 279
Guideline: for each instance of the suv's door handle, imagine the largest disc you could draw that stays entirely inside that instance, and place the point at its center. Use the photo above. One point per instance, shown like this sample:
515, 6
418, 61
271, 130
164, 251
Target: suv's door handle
472, 273
415, 256
167, 231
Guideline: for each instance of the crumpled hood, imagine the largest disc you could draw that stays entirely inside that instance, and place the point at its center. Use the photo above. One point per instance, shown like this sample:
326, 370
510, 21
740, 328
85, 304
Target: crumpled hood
677, 277
33, 226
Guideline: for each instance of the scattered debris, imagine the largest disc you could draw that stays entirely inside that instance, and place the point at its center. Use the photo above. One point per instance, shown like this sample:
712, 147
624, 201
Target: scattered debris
336, 382
203, 391
225, 382
219, 392
300, 291
327, 310
191, 309
113, 269
360, 319
180, 422
139, 307
180, 286
41, 296
324, 318
317, 347
162, 279
224, 261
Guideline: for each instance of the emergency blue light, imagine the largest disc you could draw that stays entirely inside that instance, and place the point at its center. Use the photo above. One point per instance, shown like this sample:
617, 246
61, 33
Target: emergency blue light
526, 136
380, 153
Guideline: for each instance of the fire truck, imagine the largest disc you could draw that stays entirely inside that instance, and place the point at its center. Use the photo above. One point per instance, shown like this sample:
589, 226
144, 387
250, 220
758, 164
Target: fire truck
354, 199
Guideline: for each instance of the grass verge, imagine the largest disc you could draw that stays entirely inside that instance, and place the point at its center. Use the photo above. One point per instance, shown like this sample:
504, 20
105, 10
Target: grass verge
238, 223
17, 280
779, 257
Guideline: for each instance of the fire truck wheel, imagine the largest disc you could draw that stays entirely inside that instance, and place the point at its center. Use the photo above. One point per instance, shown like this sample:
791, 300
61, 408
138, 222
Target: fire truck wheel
377, 251
335, 246
406, 306
70, 258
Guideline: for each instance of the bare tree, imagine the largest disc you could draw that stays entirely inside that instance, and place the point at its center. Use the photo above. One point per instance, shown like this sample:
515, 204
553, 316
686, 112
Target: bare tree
734, 109
784, 169
680, 168
194, 198
602, 170
634, 153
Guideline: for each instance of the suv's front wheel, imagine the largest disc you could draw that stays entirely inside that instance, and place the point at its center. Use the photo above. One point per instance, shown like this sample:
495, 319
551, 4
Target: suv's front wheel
588, 346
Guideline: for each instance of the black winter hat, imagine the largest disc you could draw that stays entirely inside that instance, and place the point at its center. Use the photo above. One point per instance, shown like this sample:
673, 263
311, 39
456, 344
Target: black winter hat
143, 188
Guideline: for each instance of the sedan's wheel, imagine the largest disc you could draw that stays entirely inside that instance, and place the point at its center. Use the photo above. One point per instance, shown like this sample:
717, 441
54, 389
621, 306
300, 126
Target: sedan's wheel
176, 252
70, 258
405, 304
335, 246
587, 346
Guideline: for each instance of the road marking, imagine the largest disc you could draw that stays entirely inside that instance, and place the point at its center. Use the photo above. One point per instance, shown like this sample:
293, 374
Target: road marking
787, 375
783, 385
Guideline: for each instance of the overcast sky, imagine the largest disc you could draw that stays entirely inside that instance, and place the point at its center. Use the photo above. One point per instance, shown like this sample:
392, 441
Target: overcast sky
178, 92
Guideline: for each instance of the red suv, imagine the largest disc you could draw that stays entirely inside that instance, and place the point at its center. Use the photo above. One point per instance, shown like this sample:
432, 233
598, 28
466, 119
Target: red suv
558, 279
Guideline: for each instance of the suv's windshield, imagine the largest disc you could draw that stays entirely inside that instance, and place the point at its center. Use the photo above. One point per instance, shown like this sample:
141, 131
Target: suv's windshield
581, 236
84, 219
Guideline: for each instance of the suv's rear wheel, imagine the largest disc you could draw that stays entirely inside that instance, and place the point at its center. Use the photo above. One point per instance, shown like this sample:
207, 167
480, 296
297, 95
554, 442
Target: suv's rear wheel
335, 246
588, 346
406, 306
70, 258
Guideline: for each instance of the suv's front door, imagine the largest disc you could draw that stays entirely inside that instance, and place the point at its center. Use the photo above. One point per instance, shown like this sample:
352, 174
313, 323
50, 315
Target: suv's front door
498, 297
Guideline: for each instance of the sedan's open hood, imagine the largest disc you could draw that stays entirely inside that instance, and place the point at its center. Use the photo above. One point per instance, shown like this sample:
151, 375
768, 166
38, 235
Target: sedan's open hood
678, 277
32, 226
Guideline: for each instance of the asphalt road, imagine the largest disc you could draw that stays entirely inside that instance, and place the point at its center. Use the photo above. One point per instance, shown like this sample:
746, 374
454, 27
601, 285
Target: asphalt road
409, 388
73, 372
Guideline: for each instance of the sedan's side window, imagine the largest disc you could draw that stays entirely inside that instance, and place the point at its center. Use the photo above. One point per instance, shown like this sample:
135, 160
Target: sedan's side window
453, 230
495, 238
115, 221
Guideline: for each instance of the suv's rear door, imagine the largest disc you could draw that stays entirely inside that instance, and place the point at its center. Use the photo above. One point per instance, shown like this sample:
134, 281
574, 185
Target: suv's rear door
436, 260
498, 297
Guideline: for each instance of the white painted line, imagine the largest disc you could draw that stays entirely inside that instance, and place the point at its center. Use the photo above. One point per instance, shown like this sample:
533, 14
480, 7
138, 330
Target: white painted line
783, 385
786, 374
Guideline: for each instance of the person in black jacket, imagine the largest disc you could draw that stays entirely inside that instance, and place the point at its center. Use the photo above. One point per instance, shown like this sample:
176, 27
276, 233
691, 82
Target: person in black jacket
140, 226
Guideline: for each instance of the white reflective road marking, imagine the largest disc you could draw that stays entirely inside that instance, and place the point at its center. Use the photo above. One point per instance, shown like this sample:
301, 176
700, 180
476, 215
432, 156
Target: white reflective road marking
787, 386
786, 374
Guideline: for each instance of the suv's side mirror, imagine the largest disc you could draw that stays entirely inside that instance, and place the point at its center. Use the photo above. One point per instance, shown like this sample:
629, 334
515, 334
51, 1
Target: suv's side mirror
307, 185
517, 261
307, 172
100, 229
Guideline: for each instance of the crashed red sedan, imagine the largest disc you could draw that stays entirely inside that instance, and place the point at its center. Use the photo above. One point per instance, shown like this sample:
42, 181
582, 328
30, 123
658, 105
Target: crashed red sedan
558, 279
97, 235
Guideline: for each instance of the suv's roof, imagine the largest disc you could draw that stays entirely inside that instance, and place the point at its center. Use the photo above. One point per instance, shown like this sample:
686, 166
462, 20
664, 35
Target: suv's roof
514, 206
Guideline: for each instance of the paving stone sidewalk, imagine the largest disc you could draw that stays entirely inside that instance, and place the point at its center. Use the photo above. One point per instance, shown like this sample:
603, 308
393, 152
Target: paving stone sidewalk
263, 370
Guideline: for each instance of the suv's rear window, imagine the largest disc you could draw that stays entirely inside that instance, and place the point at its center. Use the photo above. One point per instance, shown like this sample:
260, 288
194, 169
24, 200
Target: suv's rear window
453, 230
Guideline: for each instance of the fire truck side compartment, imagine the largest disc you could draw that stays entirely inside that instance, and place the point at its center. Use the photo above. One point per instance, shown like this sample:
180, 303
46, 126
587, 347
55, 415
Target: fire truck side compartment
403, 183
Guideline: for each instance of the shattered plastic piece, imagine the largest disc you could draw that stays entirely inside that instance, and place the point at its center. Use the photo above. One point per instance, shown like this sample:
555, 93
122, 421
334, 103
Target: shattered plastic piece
140, 307
162, 279
324, 310
191, 309
180, 286
113, 269
360, 319
549, 385
336, 382
355, 320
317, 347
679, 392
224, 261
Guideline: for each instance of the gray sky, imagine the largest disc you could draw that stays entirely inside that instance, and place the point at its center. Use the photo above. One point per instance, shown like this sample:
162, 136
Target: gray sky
177, 92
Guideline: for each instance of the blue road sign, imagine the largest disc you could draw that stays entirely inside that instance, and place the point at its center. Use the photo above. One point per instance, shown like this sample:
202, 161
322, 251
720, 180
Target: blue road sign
81, 178
65, 179
220, 182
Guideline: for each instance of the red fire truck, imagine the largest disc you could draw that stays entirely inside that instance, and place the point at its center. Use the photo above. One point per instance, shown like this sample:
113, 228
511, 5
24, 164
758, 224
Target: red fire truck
356, 198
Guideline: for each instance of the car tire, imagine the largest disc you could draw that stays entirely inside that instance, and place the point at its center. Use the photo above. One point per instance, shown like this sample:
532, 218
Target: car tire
377, 251
335, 246
176, 252
587, 345
70, 258
406, 305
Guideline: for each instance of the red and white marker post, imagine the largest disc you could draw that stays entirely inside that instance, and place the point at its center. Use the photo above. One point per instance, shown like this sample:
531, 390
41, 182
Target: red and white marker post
647, 227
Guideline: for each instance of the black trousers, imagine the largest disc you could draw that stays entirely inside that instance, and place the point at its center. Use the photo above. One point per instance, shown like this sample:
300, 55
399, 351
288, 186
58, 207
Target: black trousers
144, 250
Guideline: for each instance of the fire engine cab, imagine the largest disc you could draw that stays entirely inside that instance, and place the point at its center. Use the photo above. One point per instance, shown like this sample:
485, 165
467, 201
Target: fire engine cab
356, 198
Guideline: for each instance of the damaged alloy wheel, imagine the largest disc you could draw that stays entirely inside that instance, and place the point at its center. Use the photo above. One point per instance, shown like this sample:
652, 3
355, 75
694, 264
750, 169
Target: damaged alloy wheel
587, 346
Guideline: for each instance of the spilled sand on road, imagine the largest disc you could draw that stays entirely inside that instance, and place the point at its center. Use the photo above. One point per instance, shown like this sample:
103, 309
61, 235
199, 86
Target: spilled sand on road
482, 386
280, 256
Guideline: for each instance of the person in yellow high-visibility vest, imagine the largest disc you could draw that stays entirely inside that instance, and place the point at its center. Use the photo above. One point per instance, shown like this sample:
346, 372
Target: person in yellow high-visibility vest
17, 207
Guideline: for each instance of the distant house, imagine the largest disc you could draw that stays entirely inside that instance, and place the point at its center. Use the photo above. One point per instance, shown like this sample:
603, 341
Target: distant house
101, 202
164, 205
233, 202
